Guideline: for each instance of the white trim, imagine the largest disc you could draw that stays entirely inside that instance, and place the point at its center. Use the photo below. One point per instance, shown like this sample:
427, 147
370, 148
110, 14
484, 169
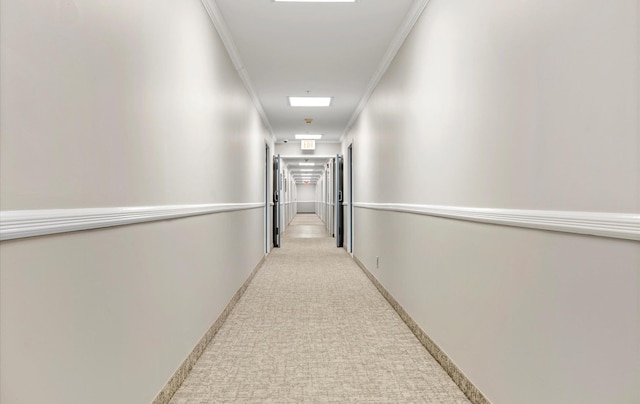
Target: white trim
404, 30
218, 22
30, 223
603, 224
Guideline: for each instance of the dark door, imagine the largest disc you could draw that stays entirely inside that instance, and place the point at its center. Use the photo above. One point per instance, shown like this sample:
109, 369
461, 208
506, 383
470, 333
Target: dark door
276, 200
339, 214
351, 198
266, 199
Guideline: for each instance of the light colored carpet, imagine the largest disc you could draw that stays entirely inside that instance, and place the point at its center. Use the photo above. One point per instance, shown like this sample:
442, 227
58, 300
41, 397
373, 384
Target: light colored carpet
311, 328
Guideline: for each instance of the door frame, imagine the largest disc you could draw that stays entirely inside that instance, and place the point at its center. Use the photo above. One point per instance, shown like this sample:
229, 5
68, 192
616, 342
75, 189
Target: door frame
267, 159
350, 155
339, 199
276, 202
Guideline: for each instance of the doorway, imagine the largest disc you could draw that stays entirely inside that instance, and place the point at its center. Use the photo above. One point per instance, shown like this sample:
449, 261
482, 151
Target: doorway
350, 155
277, 183
338, 194
266, 198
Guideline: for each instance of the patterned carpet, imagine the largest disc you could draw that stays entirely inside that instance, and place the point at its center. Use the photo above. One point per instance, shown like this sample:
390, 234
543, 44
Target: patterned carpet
311, 328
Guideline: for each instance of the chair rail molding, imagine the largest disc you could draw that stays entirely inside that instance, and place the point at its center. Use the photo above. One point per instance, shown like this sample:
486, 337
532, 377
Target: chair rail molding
602, 224
16, 224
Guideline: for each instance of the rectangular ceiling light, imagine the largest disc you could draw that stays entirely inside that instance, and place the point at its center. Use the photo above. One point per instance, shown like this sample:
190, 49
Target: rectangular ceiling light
315, 1
307, 164
309, 101
308, 137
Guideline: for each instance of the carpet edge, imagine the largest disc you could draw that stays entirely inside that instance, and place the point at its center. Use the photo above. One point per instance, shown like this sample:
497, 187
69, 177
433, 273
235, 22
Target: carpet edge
457, 375
179, 376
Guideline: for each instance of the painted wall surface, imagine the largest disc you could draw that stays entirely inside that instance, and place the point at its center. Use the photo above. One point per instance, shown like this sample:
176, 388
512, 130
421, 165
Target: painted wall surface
306, 193
521, 105
306, 198
108, 104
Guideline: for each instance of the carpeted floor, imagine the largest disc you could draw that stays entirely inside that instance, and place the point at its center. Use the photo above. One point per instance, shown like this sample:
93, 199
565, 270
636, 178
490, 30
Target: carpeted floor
311, 328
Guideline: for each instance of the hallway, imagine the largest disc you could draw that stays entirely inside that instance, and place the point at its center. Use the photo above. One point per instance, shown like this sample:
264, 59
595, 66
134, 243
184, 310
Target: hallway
312, 328
465, 175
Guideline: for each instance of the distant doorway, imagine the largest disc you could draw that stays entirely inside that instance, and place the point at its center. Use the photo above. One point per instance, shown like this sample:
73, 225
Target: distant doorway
339, 200
266, 198
277, 186
350, 155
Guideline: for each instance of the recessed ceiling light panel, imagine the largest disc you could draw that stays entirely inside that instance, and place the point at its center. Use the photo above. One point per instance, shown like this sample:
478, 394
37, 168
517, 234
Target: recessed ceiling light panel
309, 101
315, 1
308, 137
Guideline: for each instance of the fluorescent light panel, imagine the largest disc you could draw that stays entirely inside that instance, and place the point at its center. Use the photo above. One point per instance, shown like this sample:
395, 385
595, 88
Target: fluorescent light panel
315, 1
309, 101
307, 164
308, 137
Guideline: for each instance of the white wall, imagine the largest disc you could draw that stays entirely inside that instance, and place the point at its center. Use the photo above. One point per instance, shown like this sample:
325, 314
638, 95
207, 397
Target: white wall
109, 104
306, 192
306, 198
517, 105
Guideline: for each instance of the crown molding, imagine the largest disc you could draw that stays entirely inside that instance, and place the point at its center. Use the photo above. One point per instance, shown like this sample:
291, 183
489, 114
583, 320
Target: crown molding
410, 20
220, 25
32, 223
603, 224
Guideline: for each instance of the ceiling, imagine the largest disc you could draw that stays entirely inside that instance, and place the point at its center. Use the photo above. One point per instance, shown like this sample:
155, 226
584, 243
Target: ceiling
283, 49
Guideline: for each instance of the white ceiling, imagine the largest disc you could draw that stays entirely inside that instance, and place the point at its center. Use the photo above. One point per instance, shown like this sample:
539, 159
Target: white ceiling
329, 49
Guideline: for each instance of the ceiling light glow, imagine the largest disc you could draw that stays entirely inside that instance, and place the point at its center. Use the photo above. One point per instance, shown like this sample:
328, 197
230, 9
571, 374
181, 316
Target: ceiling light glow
315, 1
308, 137
307, 164
309, 101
